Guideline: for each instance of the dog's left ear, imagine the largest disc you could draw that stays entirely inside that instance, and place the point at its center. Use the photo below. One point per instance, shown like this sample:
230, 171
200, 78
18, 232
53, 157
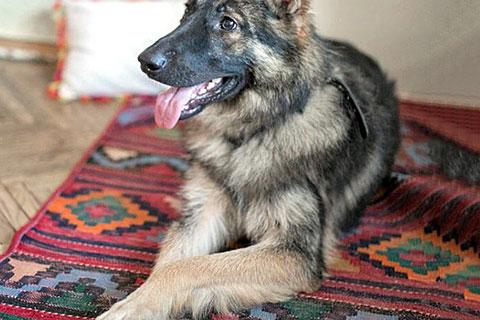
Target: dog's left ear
288, 7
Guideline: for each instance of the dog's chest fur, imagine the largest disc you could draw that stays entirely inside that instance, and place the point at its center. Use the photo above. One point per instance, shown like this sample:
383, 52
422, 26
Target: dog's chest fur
253, 165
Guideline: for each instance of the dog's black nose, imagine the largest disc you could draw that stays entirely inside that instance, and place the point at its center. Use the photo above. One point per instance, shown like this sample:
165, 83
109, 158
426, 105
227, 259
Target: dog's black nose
152, 63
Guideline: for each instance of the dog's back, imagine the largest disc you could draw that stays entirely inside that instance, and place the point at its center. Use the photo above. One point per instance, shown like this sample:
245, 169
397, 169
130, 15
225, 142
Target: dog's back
359, 164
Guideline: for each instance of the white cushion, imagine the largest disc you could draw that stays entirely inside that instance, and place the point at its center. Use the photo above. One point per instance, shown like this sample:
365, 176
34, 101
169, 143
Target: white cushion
104, 39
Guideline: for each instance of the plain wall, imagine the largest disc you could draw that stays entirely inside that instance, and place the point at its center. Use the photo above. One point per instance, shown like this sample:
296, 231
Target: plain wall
432, 47
29, 20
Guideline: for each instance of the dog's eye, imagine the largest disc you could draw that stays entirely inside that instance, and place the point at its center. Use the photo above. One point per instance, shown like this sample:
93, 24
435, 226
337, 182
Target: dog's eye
228, 24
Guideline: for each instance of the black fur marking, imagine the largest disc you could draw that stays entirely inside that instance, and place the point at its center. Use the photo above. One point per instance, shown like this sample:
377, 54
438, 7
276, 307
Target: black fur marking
321, 216
298, 102
189, 214
238, 141
281, 45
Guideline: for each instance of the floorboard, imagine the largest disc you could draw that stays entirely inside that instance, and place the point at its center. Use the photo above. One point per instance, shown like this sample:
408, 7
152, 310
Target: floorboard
40, 141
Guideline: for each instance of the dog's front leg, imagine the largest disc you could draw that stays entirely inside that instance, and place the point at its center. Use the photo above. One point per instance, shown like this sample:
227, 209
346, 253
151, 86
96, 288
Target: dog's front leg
222, 282
206, 226
284, 262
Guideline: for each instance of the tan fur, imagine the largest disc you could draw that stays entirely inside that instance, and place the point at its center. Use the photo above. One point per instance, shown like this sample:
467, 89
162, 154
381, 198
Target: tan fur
284, 7
272, 220
223, 282
210, 230
271, 66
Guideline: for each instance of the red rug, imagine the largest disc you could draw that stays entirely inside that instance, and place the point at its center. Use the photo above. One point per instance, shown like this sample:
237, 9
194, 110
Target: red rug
414, 256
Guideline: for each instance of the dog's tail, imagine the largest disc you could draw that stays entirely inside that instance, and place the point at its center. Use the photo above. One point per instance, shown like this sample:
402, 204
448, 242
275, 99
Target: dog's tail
455, 161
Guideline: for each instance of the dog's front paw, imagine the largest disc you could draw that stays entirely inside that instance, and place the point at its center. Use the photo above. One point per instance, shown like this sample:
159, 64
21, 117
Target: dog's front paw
138, 306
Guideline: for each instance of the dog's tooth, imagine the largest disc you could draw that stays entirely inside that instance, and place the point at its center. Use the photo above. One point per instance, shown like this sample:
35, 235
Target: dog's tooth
202, 91
211, 85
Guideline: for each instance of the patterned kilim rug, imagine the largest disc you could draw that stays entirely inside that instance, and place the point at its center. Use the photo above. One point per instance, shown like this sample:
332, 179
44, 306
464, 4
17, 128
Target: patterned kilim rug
415, 255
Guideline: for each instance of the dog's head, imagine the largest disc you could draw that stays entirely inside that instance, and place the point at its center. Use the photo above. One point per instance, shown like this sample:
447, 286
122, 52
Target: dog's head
220, 48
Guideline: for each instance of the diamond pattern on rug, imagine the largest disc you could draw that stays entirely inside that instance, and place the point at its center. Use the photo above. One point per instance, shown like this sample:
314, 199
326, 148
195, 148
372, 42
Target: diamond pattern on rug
422, 258
95, 212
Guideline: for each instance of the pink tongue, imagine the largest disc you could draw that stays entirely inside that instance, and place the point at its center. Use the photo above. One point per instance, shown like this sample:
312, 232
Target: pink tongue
170, 104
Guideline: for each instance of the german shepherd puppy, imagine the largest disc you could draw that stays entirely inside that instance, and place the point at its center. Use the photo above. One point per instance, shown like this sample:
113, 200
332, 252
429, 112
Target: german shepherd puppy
290, 134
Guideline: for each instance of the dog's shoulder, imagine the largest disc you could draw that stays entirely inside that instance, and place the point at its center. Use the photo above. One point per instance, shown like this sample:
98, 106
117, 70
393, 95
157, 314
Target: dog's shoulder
357, 70
364, 81
345, 59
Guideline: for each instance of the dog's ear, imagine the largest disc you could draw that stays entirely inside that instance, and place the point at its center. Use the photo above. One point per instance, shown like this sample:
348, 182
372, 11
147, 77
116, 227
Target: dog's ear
284, 8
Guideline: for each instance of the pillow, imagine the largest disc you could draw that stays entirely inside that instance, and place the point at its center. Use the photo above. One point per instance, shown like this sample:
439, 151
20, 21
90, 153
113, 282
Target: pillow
99, 42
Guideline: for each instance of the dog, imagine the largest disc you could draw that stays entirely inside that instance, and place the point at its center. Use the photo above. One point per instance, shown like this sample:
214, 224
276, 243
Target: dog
290, 134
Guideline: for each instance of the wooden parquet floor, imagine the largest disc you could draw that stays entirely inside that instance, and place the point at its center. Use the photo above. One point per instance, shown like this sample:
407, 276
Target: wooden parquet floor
40, 141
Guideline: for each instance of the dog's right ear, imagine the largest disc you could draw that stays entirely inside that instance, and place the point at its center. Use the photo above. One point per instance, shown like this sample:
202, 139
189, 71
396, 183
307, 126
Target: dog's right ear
284, 8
